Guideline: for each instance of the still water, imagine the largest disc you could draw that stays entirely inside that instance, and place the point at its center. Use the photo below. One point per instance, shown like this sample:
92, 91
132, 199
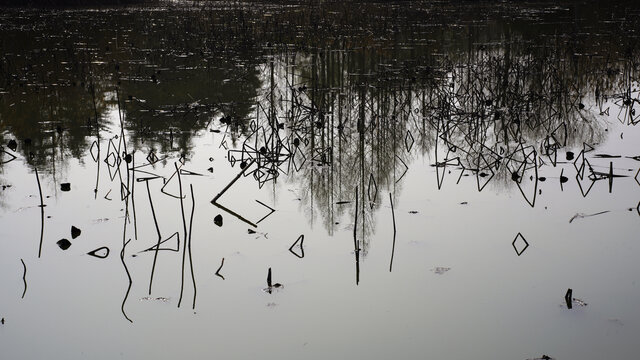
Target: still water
411, 180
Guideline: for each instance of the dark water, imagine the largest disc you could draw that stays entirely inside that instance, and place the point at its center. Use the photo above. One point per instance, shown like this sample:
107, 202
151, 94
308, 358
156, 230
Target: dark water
383, 181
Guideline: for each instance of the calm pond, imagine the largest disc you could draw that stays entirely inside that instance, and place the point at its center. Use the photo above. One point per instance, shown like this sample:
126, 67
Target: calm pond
414, 180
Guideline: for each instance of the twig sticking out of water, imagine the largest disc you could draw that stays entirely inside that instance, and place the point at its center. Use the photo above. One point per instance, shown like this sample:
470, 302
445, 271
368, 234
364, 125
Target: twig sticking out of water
568, 298
610, 176
393, 247
155, 255
41, 213
124, 245
271, 211
215, 199
184, 224
24, 277
220, 268
96, 252
133, 187
271, 286
355, 241
193, 278
300, 241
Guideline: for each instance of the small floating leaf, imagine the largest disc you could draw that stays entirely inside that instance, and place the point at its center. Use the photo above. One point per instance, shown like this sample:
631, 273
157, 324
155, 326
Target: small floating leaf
13, 145
75, 232
64, 244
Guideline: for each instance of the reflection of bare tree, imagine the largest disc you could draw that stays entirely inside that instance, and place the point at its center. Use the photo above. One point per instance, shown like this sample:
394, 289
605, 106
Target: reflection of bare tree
62, 76
490, 112
350, 93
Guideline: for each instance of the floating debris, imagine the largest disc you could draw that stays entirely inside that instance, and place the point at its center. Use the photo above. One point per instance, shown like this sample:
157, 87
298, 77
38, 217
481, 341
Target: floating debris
218, 220
75, 232
615, 321
159, 299
583, 215
570, 155
439, 270
543, 357
13, 145
65, 187
270, 288
64, 244
101, 252
579, 302
570, 301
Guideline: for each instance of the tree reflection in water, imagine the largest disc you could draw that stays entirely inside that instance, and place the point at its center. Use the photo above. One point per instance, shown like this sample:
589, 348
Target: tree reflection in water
340, 98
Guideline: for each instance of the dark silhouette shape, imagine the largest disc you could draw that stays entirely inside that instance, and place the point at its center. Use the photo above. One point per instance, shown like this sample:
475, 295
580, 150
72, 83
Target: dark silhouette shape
299, 241
175, 248
75, 232
24, 277
271, 211
393, 245
271, 286
13, 145
517, 246
100, 253
41, 213
64, 244
126, 269
11, 156
568, 298
220, 268
215, 199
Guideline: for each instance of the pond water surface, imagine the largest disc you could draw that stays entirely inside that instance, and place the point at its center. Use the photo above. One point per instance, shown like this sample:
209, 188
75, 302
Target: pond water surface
410, 180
